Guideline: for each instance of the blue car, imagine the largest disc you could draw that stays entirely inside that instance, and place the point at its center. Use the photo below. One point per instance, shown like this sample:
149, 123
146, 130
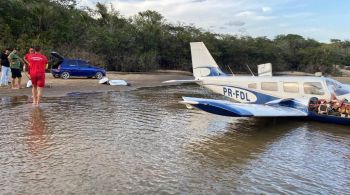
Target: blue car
65, 68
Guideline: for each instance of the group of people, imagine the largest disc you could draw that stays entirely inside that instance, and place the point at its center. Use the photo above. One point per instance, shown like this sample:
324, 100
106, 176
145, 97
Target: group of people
34, 61
334, 107
10, 61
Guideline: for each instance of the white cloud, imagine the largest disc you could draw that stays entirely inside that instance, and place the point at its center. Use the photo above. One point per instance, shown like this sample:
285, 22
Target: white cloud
266, 9
259, 18
235, 23
298, 15
86, 3
246, 14
202, 13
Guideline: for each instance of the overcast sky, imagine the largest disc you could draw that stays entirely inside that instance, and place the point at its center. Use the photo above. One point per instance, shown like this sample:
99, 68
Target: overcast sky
318, 19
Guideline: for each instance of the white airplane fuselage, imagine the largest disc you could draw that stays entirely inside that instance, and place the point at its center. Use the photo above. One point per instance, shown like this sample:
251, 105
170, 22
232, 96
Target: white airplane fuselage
255, 89
266, 95
264, 88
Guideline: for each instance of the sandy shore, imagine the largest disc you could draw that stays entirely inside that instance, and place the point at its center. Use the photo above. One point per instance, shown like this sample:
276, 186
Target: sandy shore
345, 80
57, 87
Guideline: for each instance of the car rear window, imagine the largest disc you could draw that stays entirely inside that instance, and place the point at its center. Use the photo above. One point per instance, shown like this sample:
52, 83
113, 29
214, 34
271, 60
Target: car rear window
83, 63
71, 62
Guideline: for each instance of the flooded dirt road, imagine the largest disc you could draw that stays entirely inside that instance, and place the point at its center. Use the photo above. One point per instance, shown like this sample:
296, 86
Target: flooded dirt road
144, 142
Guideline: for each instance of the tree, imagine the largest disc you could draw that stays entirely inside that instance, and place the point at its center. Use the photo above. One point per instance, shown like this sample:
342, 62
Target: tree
147, 41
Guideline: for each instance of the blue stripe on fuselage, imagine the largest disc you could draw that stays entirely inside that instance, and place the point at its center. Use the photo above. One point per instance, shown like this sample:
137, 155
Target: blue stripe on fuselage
261, 98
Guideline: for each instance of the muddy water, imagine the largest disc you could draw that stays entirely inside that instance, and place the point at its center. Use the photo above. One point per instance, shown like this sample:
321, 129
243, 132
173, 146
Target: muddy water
144, 142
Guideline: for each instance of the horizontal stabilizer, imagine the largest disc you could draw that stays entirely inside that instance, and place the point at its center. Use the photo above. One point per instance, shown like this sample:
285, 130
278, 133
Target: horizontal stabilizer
227, 108
182, 81
117, 82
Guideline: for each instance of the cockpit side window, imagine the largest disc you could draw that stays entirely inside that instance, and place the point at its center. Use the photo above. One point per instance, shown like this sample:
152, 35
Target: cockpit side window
314, 88
291, 87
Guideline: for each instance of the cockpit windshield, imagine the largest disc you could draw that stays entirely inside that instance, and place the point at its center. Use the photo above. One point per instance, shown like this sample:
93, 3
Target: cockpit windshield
336, 87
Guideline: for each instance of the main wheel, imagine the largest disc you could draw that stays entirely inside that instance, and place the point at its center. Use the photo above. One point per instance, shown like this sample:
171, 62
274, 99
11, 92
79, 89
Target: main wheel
65, 75
99, 75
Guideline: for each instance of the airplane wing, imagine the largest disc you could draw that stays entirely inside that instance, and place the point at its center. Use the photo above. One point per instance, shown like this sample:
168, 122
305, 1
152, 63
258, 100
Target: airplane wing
182, 81
227, 108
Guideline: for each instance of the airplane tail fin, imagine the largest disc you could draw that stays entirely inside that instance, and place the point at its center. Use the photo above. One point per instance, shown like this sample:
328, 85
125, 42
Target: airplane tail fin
203, 63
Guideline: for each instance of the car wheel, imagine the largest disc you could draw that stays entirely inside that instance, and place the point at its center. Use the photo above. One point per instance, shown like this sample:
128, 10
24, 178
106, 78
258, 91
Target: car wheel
65, 75
56, 75
99, 75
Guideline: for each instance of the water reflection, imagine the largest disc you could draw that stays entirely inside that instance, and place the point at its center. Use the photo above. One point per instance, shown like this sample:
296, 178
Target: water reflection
5, 100
36, 138
240, 140
13, 101
144, 142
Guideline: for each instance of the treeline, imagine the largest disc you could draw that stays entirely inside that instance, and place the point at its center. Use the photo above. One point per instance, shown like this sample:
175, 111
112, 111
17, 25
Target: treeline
147, 42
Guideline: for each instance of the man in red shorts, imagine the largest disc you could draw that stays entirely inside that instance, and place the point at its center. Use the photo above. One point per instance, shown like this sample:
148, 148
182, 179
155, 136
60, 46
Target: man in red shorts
38, 64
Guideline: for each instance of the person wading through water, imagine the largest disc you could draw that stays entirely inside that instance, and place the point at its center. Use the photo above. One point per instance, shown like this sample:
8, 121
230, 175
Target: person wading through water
15, 64
38, 64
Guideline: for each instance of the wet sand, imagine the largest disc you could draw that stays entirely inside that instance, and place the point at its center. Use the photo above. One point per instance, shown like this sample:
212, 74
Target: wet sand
57, 87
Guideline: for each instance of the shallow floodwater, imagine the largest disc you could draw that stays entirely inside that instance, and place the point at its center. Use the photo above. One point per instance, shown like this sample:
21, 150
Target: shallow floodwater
144, 142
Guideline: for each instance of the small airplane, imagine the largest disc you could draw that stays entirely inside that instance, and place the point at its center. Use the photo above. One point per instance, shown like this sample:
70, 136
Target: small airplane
318, 98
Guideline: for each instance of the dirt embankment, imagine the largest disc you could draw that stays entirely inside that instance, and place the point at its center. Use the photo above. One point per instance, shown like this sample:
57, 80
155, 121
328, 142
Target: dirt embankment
56, 87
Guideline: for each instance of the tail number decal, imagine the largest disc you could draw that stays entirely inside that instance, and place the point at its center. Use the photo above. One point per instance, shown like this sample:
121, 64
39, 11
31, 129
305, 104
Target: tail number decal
240, 95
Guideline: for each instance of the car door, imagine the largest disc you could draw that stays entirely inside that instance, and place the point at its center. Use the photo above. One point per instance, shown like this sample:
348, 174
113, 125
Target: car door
85, 69
72, 67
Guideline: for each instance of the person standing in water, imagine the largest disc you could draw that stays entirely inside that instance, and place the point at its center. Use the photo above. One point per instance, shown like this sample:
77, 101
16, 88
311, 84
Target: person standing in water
15, 64
38, 64
5, 68
26, 59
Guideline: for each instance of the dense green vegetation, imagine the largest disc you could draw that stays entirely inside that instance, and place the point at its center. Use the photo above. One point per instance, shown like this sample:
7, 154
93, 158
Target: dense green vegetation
147, 42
